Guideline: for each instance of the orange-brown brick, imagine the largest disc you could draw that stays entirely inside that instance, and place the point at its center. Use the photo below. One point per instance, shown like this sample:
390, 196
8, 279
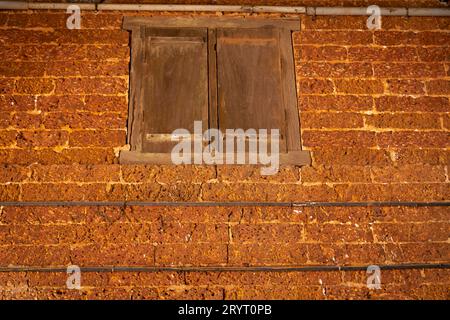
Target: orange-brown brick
42, 138
50, 156
97, 138
22, 69
410, 38
23, 120
248, 173
331, 120
334, 70
405, 87
335, 37
338, 233
267, 254
34, 86
87, 68
409, 173
333, 23
405, 121
98, 103
7, 138
267, 233
433, 54
182, 254
359, 86
438, 87
83, 120
325, 53
13, 173
411, 232
423, 103
332, 155
409, 70
446, 121
101, 85
6, 86
59, 103
335, 173
339, 138
75, 173
382, 54
336, 103
415, 23
412, 138
315, 86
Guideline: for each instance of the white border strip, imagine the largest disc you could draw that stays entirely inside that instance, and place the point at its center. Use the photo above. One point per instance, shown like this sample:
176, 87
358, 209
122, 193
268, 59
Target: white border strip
314, 11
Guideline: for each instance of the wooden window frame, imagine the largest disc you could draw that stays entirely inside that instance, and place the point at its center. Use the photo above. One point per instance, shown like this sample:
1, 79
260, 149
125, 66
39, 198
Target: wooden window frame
137, 25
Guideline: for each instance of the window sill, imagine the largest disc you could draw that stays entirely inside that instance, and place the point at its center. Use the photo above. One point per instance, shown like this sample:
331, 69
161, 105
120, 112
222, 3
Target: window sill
296, 158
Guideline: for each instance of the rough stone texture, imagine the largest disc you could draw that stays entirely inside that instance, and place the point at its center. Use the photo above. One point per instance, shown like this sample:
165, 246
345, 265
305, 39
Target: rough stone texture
211, 236
374, 108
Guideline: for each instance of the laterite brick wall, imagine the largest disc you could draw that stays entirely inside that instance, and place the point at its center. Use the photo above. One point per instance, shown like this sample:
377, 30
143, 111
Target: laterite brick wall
374, 108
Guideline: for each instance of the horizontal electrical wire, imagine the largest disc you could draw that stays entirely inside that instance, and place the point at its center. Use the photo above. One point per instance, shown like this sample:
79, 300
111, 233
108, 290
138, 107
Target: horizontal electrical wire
223, 204
228, 268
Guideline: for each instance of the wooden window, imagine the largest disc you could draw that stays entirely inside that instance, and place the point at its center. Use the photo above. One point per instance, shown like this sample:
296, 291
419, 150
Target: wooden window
229, 73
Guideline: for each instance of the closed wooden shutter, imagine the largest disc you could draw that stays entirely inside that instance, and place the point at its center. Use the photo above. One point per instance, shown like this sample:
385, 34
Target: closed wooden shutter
175, 84
250, 87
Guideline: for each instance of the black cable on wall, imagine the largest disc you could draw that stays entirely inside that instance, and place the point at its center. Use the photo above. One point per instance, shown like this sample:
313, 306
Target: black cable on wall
225, 204
228, 268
